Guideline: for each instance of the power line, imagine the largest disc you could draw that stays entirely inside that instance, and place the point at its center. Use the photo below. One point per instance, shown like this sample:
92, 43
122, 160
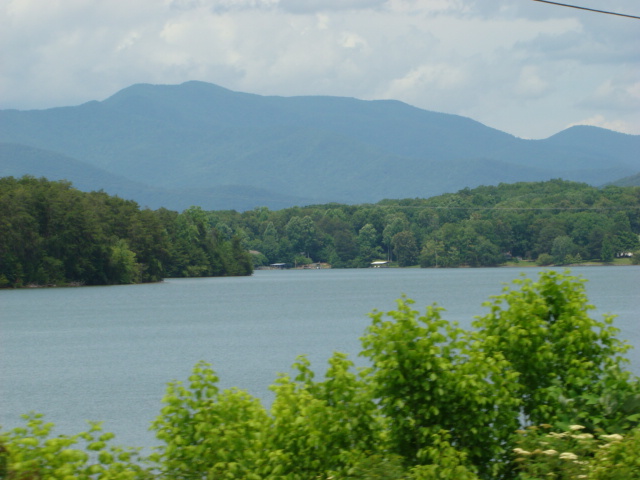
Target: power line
589, 9
498, 209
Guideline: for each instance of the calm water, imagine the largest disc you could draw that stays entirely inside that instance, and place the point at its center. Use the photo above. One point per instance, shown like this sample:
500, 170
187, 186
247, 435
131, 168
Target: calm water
106, 353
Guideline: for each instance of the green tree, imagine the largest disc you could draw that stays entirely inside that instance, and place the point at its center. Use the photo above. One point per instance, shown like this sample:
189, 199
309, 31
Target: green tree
545, 229
122, 264
197, 251
206, 432
431, 250
606, 253
54, 234
563, 249
345, 245
395, 224
427, 377
484, 253
625, 241
302, 233
33, 452
238, 261
224, 231
315, 428
405, 248
368, 248
570, 366
544, 259
323, 428
270, 246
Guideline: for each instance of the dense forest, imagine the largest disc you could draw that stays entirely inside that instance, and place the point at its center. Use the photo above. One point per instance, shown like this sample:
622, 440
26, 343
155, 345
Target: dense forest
553, 222
53, 234
537, 389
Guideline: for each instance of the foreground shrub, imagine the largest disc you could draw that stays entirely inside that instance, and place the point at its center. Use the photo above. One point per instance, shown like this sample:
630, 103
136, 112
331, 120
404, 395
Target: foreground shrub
31, 452
576, 453
436, 402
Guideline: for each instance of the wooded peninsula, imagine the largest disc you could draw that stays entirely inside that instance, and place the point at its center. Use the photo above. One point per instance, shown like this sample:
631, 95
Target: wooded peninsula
54, 234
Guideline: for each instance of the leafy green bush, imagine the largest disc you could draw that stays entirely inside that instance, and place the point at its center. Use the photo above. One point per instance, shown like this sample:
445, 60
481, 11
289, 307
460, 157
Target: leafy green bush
31, 452
544, 259
575, 453
436, 402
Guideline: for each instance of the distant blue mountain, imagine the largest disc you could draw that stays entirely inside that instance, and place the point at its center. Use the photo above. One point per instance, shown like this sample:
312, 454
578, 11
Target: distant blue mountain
201, 144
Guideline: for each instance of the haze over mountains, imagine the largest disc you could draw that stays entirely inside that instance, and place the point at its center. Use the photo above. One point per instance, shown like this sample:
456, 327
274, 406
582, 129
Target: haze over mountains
200, 144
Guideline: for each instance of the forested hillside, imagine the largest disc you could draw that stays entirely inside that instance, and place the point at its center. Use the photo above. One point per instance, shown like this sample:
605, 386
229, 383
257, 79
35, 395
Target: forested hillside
555, 222
632, 181
53, 234
174, 146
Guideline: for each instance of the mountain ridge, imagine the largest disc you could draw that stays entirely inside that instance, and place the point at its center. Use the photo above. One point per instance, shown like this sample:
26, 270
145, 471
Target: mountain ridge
201, 137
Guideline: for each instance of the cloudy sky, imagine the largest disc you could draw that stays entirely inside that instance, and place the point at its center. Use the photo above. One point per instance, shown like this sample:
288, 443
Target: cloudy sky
524, 67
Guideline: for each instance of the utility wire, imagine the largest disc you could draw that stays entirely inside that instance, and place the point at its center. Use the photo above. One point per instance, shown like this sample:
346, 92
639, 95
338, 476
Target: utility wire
589, 9
498, 208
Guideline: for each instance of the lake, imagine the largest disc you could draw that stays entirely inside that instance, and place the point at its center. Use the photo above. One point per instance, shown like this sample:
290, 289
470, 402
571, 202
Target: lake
106, 353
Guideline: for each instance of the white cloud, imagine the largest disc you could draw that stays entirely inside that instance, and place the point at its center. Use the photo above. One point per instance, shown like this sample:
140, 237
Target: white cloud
601, 121
622, 93
312, 6
427, 6
436, 78
530, 84
353, 40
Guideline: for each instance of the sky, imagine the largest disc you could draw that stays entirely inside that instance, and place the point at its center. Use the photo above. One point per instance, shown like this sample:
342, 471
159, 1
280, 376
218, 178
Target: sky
524, 67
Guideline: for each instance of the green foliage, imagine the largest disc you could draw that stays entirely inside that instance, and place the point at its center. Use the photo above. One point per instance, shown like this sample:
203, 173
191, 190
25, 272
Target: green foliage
619, 459
53, 234
575, 453
378, 467
122, 262
431, 250
568, 364
32, 452
405, 248
444, 462
435, 402
428, 375
482, 227
206, 431
259, 260
395, 224
536, 356
606, 254
314, 428
368, 245
544, 259
302, 234
323, 427
563, 250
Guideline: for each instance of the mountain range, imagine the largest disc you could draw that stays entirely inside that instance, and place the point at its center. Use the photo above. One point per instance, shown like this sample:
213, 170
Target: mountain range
200, 144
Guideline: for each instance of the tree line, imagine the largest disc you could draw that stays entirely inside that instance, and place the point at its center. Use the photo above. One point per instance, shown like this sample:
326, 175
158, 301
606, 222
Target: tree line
53, 234
537, 389
553, 222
